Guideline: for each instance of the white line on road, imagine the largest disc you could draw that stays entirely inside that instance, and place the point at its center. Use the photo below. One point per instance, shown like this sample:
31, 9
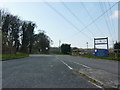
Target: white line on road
81, 64
97, 85
75, 63
66, 65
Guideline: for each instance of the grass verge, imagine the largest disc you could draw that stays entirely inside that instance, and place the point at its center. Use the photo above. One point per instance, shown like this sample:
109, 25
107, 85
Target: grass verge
13, 56
96, 82
105, 58
91, 80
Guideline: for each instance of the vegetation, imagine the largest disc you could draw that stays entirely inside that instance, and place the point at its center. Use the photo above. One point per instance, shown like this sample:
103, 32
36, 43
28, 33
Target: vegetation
14, 56
117, 45
91, 79
0, 57
117, 49
19, 36
106, 58
65, 48
41, 42
114, 55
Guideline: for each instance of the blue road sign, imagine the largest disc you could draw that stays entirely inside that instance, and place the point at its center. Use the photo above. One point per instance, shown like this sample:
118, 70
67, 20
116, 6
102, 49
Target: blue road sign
101, 53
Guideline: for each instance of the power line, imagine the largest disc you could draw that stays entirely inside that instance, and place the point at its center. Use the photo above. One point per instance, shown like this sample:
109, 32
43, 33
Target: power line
99, 17
75, 17
109, 23
86, 25
112, 21
65, 19
102, 10
91, 17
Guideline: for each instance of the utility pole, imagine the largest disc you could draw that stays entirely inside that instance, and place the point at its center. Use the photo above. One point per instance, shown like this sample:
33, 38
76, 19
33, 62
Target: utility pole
113, 44
59, 46
87, 47
87, 44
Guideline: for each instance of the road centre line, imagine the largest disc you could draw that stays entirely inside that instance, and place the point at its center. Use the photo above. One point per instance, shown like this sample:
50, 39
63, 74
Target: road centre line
65, 64
81, 64
77, 63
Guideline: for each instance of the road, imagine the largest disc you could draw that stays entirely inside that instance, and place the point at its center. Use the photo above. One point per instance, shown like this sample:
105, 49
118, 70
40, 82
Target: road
50, 71
106, 65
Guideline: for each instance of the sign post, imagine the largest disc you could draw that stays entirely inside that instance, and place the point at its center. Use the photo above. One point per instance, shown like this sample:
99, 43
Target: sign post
101, 52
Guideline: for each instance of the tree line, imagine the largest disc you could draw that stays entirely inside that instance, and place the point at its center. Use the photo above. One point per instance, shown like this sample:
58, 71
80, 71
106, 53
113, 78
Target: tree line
66, 48
117, 45
19, 36
117, 49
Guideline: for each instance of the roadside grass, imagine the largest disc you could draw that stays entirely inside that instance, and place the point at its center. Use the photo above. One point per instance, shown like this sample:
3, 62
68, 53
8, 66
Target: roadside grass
13, 56
94, 57
0, 57
91, 79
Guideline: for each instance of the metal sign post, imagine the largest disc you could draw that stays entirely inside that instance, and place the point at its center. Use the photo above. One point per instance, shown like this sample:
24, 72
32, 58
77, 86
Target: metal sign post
101, 52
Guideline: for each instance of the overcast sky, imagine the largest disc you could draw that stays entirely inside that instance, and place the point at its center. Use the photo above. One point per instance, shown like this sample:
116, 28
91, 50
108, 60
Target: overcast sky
70, 22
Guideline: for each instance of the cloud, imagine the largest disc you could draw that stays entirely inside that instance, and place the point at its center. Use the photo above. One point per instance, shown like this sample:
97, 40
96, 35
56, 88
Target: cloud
115, 15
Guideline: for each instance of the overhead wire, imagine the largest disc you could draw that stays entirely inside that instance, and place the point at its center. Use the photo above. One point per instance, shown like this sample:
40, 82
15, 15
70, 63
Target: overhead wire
87, 24
66, 19
91, 18
104, 12
76, 17
99, 16
107, 25
112, 22
109, 22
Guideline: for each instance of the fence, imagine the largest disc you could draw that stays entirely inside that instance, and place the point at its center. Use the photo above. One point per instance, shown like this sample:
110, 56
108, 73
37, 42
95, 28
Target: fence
8, 50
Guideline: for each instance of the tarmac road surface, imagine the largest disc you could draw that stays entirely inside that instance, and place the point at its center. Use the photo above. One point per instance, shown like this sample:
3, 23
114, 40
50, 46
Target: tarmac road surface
48, 71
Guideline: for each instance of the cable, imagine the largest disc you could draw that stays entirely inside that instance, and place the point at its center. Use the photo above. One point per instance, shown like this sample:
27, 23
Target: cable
105, 18
91, 17
65, 19
75, 17
109, 23
112, 21
98, 17
102, 9
86, 25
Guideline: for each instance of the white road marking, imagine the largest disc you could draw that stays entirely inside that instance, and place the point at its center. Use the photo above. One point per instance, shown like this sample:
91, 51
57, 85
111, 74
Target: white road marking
81, 64
95, 85
75, 63
97, 81
84, 66
66, 65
